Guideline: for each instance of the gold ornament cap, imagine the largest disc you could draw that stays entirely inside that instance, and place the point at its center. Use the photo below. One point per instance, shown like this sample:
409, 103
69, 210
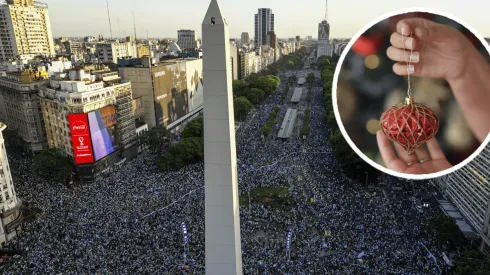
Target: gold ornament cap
409, 100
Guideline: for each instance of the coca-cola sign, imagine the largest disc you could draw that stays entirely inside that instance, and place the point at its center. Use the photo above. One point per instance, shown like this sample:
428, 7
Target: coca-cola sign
79, 128
80, 135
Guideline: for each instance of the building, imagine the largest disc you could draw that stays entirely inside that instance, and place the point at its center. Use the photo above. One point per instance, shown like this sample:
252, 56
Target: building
73, 47
143, 50
10, 215
298, 42
90, 39
130, 39
324, 45
171, 90
111, 51
235, 65
187, 40
469, 190
26, 29
88, 113
20, 107
245, 38
264, 23
272, 39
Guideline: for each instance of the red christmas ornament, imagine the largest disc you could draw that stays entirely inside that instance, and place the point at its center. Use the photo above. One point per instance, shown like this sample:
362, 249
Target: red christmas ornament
409, 124
368, 45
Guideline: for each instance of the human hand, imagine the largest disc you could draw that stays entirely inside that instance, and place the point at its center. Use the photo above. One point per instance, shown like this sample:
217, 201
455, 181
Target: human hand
438, 51
418, 163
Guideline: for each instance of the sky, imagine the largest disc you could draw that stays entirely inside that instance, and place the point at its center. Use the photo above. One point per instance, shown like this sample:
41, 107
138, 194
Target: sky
159, 19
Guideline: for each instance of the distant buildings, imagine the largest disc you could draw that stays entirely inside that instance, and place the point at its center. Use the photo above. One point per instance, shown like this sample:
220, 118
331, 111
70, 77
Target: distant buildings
298, 42
73, 47
469, 189
187, 40
20, 107
26, 30
109, 52
88, 115
10, 214
245, 38
264, 23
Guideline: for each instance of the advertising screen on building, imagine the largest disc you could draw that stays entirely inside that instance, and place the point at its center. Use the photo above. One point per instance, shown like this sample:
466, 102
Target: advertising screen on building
80, 136
102, 131
178, 90
137, 107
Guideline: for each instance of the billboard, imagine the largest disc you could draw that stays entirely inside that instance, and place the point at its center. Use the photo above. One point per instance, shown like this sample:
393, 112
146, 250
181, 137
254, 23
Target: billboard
137, 107
178, 90
80, 137
102, 131
195, 89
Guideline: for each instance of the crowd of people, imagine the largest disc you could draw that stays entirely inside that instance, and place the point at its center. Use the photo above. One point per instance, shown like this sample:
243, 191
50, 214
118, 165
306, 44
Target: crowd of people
130, 221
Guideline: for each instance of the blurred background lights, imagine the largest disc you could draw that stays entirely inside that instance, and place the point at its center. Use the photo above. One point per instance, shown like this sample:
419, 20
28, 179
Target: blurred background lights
372, 126
371, 62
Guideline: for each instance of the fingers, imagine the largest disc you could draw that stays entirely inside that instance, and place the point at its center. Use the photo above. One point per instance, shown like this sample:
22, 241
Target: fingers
401, 68
397, 54
389, 158
403, 42
434, 149
421, 153
422, 28
404, 156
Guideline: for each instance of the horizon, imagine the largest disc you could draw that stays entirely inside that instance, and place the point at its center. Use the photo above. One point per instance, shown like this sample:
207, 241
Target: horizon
292, 17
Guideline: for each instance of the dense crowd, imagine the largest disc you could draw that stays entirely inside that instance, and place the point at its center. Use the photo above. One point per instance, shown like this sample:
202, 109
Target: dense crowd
129, 222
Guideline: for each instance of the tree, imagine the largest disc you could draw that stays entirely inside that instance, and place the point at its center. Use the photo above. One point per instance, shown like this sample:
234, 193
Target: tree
241, 107
156, 139
186, 151
472, 262
446, 231
239, 87
290, 65
53, 164
195, 128
292, 79
255, 95
310, 78
266, 84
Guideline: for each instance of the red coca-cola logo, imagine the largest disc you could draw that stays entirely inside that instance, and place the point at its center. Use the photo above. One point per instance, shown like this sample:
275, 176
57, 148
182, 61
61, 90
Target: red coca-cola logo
79, 128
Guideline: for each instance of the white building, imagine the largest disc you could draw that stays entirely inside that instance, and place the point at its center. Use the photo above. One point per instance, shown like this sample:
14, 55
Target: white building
9, 204
187, 39
26, 30
469, 189
264, 23
324, 44
110, 52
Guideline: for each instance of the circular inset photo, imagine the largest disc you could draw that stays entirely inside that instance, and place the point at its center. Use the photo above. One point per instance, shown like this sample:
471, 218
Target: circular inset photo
411, 94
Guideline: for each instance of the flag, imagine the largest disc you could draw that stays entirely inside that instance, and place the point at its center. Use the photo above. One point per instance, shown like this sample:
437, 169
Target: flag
327, 233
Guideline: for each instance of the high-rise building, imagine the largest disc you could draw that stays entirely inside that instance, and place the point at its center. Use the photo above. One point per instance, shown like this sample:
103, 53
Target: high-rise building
25, 30
171, 91
187, 40
272, 39
245, 38
298, 42
469, 189
234, 60
20, 107
324, 44
264, 23
89, 116
111, 51
9, 204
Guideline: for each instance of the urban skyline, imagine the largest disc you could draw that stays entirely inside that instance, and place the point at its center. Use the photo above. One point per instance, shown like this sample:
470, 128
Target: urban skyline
345, 20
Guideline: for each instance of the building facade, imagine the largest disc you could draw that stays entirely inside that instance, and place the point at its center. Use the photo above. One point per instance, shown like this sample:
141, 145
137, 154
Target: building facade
73, 47
98, 93
10, 215
324, 45
264, 23
25, 29
245, 38
469, 189
110, 52
20, 106
187, 40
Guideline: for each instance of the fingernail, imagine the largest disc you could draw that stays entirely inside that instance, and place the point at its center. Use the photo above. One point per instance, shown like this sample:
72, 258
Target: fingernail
414, 57
408, 43
410, 69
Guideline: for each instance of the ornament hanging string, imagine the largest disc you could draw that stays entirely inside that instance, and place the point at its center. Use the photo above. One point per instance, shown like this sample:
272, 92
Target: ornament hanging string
408, 60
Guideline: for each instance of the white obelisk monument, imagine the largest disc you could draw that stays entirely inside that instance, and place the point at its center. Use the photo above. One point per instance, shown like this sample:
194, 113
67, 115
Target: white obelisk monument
222, 222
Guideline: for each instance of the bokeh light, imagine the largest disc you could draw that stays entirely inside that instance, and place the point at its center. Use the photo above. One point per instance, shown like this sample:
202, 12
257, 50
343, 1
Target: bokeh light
372, 126
371, 62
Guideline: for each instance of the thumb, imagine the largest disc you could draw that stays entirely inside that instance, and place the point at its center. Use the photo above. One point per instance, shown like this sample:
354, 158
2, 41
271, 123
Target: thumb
424, 29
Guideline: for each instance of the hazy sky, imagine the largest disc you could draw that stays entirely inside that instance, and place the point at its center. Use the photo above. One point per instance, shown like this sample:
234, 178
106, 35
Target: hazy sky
162, 18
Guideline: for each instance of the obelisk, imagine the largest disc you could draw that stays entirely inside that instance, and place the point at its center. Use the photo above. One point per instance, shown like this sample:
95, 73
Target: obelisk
222, 215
